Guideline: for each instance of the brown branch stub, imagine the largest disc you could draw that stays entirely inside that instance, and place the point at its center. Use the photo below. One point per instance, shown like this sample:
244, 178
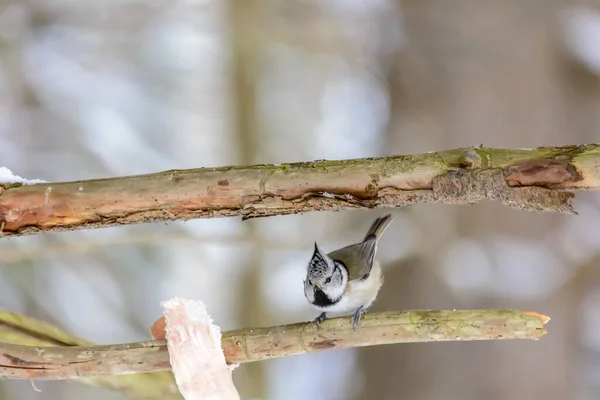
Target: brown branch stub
532, 179
255, 344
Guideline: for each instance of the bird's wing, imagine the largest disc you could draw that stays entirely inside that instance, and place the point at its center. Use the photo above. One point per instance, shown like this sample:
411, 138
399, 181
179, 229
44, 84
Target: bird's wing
358, 258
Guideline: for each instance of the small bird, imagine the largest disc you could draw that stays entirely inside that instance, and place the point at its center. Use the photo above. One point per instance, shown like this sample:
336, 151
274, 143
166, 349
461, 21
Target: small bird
348, 279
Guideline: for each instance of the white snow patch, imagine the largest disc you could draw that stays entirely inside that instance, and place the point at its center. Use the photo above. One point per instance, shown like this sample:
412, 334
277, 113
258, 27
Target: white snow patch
7, 176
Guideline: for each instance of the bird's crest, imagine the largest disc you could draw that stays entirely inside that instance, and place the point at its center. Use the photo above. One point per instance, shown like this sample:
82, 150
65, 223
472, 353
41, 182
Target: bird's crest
318, 263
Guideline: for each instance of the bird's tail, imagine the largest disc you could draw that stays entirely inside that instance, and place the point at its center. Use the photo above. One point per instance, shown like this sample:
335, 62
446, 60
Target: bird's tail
378, 227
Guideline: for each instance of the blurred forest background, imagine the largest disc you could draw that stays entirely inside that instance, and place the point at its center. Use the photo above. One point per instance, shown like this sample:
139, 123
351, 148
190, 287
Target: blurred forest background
92, 89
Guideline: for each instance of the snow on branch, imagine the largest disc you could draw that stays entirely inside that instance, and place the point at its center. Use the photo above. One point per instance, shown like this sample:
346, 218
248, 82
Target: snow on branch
7, 177
526, 179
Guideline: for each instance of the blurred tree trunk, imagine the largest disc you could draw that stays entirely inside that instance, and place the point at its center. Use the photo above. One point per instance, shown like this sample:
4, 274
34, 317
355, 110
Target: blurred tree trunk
252, 312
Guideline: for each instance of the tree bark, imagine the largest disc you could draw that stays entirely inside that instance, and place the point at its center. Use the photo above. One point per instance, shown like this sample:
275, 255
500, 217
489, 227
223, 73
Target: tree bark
526, 179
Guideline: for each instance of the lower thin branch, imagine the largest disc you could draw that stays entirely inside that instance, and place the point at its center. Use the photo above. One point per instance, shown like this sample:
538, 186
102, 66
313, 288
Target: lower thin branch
31, 333
254, 344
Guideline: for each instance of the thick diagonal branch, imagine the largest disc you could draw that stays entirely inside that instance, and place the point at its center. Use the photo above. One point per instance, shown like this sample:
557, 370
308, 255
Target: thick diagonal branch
533, 179
255, 344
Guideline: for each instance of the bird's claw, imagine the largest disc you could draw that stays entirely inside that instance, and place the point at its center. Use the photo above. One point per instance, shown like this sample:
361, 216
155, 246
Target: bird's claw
356, 317
322, 317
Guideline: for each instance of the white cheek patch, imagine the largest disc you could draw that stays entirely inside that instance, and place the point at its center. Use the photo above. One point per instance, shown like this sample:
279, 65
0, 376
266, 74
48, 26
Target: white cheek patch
309, 292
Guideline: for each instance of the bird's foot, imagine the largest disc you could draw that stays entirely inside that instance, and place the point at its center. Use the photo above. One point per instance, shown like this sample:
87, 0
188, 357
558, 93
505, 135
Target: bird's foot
322, 317
357, 315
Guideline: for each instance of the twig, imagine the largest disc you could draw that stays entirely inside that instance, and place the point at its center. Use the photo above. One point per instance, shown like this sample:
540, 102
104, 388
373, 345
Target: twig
533, 179
21, 330
255, 344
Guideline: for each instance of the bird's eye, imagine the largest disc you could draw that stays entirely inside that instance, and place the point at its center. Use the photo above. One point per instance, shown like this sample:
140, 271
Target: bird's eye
328, 280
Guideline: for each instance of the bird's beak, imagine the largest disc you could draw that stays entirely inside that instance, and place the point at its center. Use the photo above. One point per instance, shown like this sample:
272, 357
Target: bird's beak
315, 285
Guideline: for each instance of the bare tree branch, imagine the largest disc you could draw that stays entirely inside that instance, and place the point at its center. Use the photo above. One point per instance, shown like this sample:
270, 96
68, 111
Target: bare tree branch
255, 344
25, 331
532, 179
